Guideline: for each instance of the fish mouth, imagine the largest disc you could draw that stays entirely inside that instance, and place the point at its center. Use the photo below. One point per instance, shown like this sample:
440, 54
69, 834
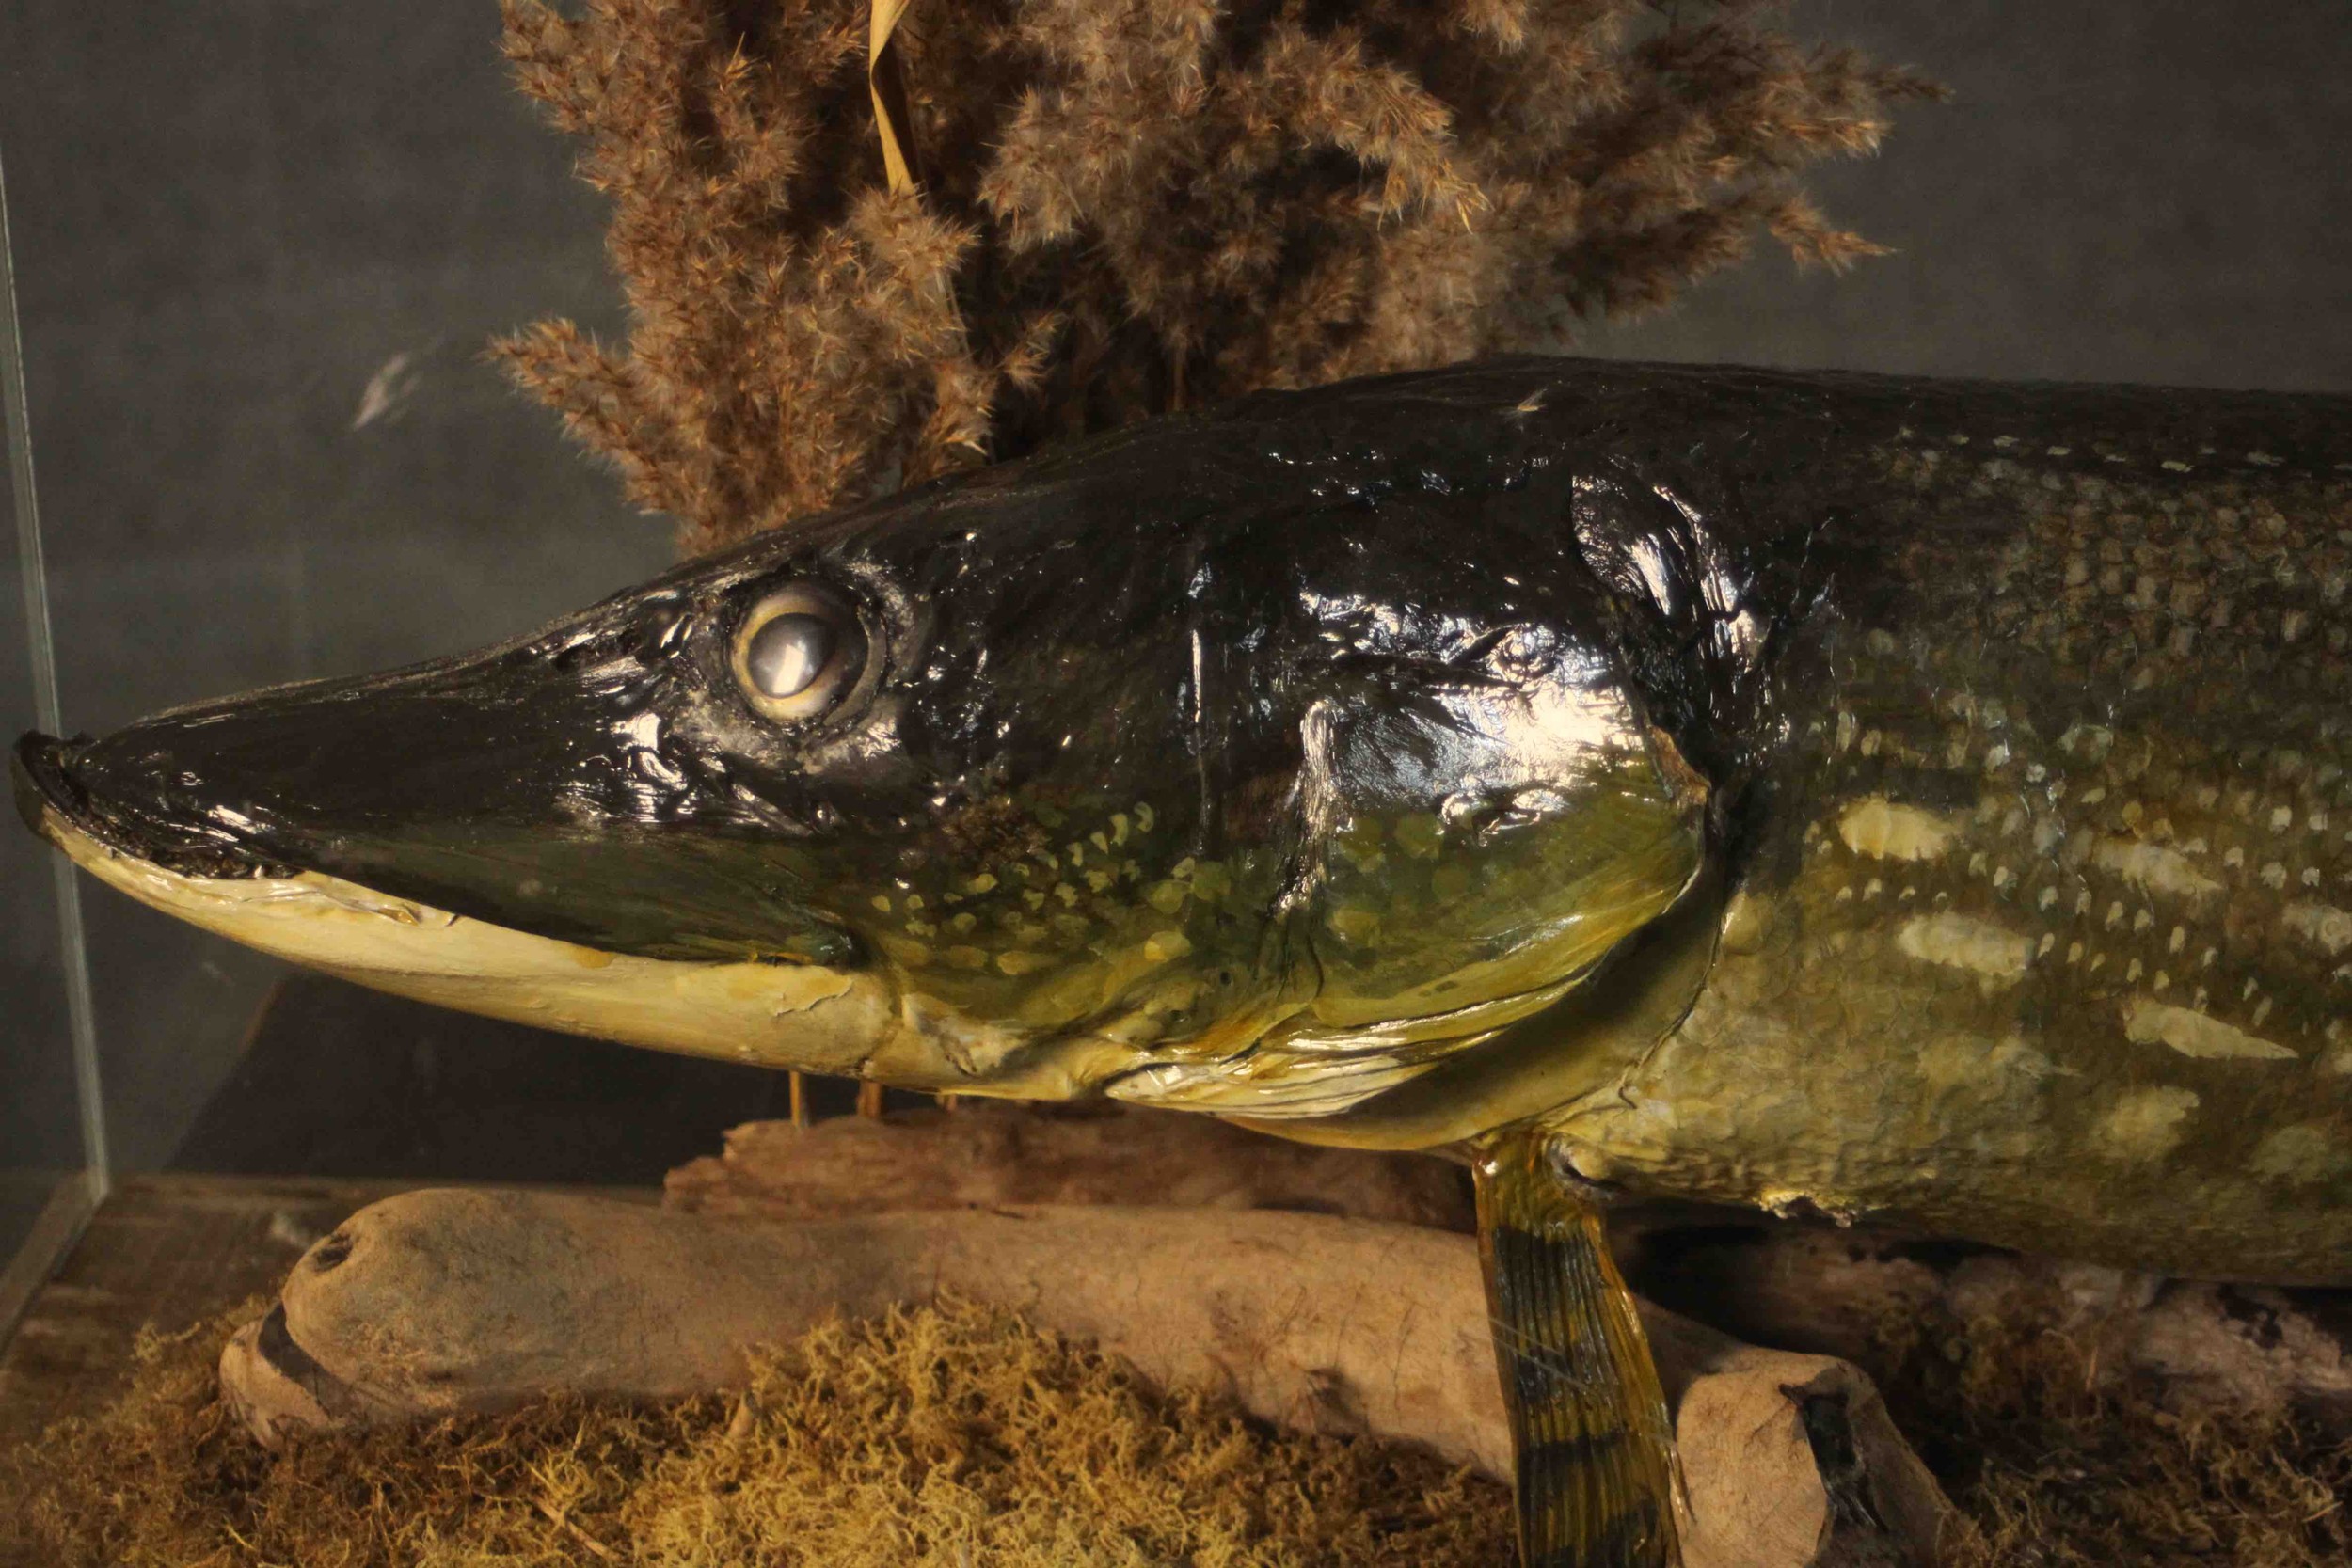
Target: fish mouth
811, 1017
851, 1019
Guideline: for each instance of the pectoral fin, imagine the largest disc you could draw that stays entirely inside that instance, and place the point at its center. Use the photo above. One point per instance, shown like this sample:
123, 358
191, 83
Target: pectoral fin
1596, 1476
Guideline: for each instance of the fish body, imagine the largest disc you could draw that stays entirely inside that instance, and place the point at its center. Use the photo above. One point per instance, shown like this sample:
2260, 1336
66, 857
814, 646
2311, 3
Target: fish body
1914, 800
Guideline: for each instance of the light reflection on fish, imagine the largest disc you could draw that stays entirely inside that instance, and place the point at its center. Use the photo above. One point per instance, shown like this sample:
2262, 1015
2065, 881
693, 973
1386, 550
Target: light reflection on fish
1925, 801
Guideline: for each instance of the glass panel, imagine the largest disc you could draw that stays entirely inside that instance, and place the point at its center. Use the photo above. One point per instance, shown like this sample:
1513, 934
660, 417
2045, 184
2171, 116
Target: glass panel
51, 1158
259, 250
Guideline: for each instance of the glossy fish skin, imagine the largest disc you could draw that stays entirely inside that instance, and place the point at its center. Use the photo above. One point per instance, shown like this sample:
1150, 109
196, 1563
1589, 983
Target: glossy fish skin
2042, 922
1167, 729
1708, 765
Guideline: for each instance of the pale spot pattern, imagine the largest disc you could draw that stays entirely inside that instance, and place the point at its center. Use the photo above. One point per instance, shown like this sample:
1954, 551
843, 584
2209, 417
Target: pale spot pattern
2155, 868
2193, 1033
1881, 829
2144, 1124
2324, 927
1957, 942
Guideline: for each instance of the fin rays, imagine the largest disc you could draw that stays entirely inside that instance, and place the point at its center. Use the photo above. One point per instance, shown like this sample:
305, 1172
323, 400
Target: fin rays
1595, 1481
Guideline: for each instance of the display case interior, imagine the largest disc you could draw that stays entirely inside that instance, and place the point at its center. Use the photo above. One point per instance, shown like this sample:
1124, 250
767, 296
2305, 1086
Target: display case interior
256, 255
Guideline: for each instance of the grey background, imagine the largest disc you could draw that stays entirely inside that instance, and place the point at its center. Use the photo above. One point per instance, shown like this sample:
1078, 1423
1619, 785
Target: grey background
2156, 190
231, 217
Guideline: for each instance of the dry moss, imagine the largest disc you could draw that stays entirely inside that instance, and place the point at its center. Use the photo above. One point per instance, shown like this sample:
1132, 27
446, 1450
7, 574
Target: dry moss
961, 1437
951, 1436
1126, 206
2064, 1465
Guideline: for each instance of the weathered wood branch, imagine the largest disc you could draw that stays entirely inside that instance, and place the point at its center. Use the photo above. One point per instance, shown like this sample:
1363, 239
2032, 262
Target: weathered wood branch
988, 1153
450, 1301
1816, 1288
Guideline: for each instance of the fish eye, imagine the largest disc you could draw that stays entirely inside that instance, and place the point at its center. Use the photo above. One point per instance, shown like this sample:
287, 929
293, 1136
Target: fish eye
799, 652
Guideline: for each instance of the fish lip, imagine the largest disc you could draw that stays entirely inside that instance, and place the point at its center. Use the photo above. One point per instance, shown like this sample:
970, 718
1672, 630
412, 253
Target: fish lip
50, 797
39, 784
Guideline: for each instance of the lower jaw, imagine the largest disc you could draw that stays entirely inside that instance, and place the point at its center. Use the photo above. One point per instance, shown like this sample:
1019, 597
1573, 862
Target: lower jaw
798, 1016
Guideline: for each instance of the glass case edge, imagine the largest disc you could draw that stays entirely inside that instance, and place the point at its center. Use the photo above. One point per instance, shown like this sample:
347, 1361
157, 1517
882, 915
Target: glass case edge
74, 959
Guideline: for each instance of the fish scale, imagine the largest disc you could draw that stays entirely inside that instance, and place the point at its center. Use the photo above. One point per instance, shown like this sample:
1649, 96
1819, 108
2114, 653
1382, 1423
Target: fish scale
2072, 876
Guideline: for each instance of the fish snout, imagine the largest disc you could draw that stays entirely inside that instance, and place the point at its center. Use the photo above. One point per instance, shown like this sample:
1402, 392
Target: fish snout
129, 800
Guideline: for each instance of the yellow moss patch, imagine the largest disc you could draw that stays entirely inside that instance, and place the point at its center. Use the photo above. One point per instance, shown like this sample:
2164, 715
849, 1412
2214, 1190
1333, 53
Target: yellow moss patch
954, 1435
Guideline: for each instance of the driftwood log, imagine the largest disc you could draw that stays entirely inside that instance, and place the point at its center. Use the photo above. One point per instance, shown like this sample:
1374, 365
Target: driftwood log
986, 1153
1817, 1288
441, 1302
1801, 1285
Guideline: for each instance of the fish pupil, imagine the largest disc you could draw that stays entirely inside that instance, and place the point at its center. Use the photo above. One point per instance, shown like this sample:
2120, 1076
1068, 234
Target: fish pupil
787, 654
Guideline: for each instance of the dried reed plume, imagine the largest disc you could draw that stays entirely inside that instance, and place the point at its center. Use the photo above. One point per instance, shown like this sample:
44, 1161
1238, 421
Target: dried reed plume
1126, 206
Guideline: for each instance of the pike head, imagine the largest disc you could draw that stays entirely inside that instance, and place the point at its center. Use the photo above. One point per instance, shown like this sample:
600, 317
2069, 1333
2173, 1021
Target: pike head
1212, 763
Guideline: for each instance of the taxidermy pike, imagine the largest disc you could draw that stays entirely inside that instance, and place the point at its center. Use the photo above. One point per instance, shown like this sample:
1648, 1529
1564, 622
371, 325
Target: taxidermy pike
1914, 799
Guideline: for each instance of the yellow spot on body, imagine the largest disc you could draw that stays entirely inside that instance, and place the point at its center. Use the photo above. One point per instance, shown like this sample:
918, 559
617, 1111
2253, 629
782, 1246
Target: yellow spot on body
1144, 818
981, 883
1166, 897
1118, 827
2153, 867
1019, 963
2302, 1155
590, 957
2144, 1124
1957, 942
1878, 828
2193, 1033
2327, 929
1352, 925
1420, 835
968, 957
1166, 946
882, 902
